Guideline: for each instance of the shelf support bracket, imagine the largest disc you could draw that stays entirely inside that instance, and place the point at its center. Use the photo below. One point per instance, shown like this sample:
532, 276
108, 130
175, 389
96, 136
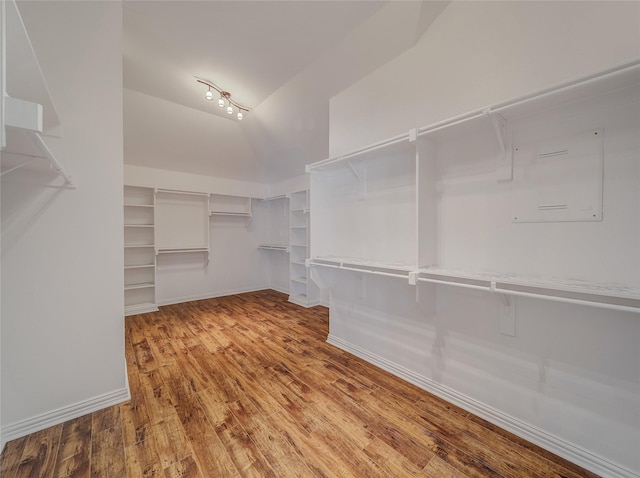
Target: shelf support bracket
505, 169
353, 170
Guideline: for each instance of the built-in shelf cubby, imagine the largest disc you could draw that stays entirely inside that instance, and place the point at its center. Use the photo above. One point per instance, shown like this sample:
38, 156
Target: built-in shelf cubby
139, 250
302, 291
533, 197
225, 205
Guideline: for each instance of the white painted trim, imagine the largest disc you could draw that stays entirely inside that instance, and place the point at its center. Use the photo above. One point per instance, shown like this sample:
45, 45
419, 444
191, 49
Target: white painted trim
61, 415
279, 289
179, 300
140, 309
539, 437
294, 299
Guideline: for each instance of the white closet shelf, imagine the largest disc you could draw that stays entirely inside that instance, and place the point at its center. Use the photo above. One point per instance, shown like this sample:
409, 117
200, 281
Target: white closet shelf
140, 266
227, 213
493, 115
134, 246
138, 205
273, 198
139, 225
141, 285
606, 295
298, 227
274, 247
176, 250
398, 271
27, 106
303, 211
301, 280
595, 294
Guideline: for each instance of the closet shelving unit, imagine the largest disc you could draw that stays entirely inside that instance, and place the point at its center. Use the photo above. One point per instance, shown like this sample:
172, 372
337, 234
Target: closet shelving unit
276, 238
28, 111
182, 222
299, 287
226, 205
398, 208
139, 250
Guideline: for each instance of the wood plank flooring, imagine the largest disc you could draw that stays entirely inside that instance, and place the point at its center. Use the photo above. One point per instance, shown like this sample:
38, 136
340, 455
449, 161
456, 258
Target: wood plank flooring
247, 386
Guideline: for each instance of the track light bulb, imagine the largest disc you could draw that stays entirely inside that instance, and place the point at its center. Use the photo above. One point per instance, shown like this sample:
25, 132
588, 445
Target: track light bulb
229, 110
221, 102
240, 116
209, 95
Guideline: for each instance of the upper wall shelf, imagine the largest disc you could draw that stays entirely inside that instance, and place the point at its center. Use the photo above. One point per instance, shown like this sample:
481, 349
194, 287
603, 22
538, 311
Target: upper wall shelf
608, 296
620, 77
225, 205
24, 78
27, 106
442, 204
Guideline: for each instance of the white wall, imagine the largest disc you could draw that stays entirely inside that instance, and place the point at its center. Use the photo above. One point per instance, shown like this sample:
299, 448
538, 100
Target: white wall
479, 53
570, 378
162, 178
62, 299
235, 263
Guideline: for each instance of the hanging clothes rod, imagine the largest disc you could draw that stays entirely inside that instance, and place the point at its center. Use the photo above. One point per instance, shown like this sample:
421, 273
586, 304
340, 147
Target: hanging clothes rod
569, 300
24, 163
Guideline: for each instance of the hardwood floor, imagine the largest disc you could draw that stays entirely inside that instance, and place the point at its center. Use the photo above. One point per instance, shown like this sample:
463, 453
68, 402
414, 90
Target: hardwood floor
247, 386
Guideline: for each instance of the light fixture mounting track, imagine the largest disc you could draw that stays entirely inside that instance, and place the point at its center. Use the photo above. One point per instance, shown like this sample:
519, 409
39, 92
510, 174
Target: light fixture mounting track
225, 98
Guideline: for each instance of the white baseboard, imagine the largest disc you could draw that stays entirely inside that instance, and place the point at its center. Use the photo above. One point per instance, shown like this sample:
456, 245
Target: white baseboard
282, 290
539, 437
303, 301
140, 309
61, 415
212, 295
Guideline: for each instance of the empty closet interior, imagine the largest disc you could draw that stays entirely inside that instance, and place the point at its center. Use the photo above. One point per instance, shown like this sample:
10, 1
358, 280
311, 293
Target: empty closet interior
490, 256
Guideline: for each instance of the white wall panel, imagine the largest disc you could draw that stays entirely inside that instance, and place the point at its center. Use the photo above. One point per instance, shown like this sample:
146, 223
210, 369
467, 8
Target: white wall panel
62, 282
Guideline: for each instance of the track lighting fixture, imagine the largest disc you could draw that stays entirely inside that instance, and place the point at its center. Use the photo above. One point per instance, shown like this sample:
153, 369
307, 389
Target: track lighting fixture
224, 100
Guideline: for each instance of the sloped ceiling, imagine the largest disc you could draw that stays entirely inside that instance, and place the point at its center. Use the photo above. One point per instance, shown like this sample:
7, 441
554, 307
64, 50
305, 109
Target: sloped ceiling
284, 60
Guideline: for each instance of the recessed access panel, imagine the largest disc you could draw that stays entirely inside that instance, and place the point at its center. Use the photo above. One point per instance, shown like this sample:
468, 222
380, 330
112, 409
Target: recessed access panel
559, 179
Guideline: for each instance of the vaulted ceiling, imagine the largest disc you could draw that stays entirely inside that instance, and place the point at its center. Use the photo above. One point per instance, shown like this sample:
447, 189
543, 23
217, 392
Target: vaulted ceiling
282, 59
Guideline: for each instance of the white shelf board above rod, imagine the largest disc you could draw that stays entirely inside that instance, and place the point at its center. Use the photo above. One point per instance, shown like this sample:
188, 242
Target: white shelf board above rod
24, 78
273, 198
274, 247
607, 296
178, 191
388, 142
623, 74
177, 250
227, 213
141, 285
